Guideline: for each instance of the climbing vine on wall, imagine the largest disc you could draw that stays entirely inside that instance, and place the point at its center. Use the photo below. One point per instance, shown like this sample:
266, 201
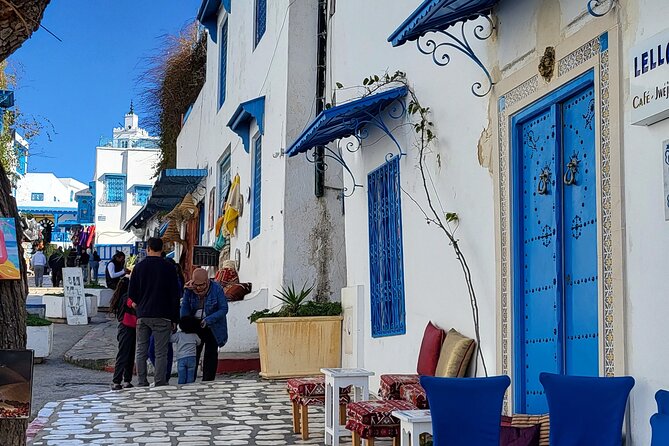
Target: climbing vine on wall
434, 212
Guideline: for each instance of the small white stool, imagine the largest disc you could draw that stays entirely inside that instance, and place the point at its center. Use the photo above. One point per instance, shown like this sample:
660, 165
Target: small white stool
336, 379
412, 424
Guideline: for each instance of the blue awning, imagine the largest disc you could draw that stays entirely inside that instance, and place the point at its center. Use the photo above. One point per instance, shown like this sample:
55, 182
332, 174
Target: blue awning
170, 188
240, 123
207, 15
47, 210
437, 15
344, 120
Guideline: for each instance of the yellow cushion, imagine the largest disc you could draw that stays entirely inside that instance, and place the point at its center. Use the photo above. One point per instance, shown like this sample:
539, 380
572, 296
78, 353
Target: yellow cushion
456, 352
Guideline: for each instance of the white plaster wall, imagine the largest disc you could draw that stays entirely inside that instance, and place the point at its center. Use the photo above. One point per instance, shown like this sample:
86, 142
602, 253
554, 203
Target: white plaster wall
434, 285
647, 234
286, 77
138, 166
433, 282
56, 193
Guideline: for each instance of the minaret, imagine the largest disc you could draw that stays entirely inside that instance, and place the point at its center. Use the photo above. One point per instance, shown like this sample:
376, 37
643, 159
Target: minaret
131, 119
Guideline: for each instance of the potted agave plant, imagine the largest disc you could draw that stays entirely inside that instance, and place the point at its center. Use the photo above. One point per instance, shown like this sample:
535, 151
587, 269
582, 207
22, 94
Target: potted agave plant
299, 338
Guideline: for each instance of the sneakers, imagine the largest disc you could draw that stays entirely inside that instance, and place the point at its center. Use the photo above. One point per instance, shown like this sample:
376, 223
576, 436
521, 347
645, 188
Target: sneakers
116, 386
128, 385
143, 384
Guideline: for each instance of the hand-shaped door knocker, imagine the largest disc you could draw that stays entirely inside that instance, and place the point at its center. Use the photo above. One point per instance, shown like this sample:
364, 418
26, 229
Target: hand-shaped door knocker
572, 169
544, 179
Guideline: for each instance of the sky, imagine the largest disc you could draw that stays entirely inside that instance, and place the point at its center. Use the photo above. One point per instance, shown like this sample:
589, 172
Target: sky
82, 87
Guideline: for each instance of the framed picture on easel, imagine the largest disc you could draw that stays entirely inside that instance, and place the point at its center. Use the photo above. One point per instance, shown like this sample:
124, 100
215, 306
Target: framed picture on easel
10, 268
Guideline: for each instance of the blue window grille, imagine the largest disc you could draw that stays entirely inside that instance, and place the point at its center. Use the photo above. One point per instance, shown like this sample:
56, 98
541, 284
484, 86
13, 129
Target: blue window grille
115, 188
141, 195
261, 19
85, 212
223, 181
385, 250
37, 196
223, 64
257, 182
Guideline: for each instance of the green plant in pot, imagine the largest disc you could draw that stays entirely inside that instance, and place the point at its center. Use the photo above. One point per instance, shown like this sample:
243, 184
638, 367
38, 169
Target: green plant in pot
295, 304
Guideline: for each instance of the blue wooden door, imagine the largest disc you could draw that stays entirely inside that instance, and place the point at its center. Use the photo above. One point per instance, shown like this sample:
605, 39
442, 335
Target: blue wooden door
555, 233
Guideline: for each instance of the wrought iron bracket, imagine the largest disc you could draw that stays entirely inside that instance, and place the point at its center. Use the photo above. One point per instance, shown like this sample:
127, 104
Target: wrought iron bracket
440, 51
375, 118
599, 8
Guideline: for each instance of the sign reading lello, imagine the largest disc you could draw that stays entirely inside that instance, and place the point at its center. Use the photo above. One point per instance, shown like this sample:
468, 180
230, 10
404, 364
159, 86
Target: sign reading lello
649, 85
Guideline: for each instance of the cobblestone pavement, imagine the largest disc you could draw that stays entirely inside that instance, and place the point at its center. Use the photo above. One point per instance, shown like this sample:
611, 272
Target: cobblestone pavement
55, 379
233, 411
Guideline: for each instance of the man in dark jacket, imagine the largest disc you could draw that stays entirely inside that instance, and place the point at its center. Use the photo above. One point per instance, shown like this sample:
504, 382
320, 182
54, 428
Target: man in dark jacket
57, 263
154, 289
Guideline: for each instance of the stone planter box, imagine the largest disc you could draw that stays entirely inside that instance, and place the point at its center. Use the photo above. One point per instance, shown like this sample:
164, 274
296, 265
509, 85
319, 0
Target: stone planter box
55, 307
102, 295
40, 339
298, 346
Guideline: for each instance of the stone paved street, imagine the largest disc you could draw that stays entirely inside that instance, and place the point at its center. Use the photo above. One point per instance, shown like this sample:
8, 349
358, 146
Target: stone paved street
55, 379
232, 411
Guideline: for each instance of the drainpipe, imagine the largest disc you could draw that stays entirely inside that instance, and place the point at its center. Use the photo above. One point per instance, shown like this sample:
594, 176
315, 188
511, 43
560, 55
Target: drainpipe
321, 68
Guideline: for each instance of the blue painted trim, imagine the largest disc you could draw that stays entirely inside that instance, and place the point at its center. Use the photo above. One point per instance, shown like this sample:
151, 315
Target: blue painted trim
240, 122
207, 15
223, 65
528, 113
47, 210
260, 20
184, 173
105, 175
344, 120
256, 212
604, 42
437, 15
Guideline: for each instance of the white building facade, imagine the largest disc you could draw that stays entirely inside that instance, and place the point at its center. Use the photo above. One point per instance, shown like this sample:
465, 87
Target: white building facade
559, 197
50, 200
124, 171
259, 94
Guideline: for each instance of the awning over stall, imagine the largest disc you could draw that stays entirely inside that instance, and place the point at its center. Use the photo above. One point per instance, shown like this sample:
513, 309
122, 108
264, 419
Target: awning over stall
170, 188
437, 15
344, 120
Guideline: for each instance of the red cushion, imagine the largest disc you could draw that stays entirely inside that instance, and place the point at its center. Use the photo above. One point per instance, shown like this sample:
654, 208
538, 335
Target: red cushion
430, 349
392, 383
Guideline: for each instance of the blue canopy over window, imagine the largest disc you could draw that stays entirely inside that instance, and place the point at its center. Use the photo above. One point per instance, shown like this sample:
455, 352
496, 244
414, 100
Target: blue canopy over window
437, 15
170, 188
240, 123
207, 15
344, 120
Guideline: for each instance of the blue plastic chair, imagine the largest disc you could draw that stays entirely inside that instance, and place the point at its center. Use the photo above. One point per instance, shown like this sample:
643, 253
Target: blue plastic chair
659, 424
465, 411
586, 410
662, 398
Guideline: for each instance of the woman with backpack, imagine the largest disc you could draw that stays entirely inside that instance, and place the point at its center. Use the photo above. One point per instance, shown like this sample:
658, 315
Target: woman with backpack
124, 309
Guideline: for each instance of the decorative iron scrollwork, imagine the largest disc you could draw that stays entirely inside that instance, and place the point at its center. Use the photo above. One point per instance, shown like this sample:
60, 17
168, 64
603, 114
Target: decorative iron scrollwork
544, 179
440, 56
599, 8
396, 111
572, 168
